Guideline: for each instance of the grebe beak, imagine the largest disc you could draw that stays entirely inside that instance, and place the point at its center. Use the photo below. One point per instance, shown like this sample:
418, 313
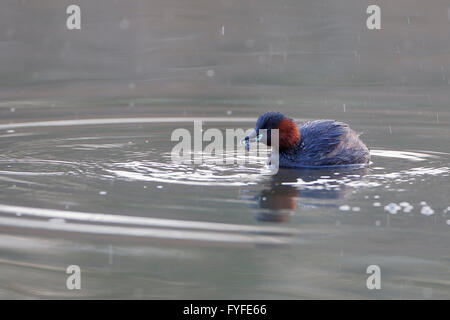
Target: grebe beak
252, 136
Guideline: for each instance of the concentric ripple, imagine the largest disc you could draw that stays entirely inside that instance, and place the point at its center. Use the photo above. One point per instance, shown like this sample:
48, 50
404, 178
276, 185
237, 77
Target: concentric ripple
123, 167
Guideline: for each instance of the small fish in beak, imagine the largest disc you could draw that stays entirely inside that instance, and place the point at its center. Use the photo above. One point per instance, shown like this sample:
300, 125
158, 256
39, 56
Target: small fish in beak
252, 137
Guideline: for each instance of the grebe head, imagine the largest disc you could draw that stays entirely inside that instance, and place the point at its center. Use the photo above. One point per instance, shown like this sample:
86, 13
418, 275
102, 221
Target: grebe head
287, 129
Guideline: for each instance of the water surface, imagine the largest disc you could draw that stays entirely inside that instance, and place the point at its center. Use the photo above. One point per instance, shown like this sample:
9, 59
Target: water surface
86, 176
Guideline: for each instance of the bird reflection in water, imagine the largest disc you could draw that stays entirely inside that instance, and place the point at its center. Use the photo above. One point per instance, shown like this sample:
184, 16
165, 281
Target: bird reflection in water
308, 188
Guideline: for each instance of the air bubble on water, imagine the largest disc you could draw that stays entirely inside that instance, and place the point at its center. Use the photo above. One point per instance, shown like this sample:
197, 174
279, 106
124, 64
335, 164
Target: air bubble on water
102, 193
159, 187
377, 204
423, 203
427, 211
392, 208
356, 209
344, 207
378, 223
404, 204
210, 73
12, 109
408, 208
376, 197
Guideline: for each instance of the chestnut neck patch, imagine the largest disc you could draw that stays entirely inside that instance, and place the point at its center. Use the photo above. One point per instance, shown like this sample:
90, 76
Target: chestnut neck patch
288, 134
